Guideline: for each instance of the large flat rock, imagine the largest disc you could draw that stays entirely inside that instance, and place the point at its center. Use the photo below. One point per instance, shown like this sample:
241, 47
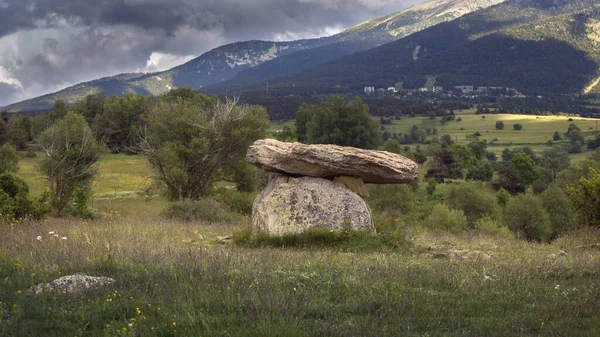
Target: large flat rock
328, 161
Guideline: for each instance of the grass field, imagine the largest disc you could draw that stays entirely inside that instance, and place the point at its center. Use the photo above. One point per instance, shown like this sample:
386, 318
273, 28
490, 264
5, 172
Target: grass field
175, 278
536, 132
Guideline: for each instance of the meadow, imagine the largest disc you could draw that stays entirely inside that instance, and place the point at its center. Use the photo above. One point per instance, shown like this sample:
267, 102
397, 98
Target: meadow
175, 278
536, 133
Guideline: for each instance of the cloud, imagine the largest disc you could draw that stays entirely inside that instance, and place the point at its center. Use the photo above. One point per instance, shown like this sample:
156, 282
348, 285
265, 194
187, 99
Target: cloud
50, 44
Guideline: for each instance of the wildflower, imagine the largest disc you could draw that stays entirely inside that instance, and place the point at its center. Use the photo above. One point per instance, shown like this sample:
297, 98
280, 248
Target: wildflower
557, 287
51, 233
63, 238
130, 325
19, 292
174, 323
138, 311
55, 235
39, 238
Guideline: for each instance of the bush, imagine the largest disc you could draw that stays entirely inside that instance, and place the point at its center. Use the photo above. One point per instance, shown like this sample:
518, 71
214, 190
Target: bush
499, 125
240, 202
557, 204
586, 198
473, 200
502, 197
450, 220
525, 215
397, 200
79, 204
518, 127
205, 209
14, 192
9, 159
489, 226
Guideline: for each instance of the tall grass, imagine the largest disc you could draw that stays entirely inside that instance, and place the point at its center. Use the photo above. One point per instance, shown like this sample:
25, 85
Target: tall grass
174, 279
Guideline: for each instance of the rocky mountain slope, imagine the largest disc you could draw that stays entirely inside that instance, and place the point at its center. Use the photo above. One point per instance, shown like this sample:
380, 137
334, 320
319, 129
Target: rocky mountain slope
540, 46
276, 58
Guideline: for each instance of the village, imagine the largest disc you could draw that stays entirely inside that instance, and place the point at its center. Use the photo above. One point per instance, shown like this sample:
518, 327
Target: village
459, 91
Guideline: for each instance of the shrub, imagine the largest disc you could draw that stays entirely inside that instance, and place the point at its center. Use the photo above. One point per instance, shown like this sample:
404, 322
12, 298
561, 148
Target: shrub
431, 186
586, 198
393, 199
9, 159
240, 202
499, 125
557, 204
502, 197
517, 126
14, 192
205, 209
489, 226
525, 215
473, 200
450, 220
79, 204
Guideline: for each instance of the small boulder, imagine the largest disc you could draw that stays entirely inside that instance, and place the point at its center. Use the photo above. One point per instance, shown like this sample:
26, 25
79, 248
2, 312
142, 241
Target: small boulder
72, 284
328, 161
291, 205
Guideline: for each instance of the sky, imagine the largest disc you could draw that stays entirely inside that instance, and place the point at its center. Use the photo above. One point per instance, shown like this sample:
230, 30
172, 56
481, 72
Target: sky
47, 45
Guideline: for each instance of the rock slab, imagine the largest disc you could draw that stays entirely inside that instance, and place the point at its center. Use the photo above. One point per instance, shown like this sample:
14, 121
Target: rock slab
327, 161
291, 205
72, 284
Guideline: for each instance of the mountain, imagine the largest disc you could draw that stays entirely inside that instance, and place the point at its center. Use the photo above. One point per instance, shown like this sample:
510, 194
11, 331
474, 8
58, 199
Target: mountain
260, 60
539, 46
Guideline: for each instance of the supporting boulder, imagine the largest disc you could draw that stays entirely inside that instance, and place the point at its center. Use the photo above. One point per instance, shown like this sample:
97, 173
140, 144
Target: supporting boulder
290, 205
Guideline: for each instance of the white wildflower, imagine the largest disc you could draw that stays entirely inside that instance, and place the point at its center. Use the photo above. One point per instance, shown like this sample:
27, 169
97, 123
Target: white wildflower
63, 238
50, 233
39, 238
557, 287
55, 235
130, 325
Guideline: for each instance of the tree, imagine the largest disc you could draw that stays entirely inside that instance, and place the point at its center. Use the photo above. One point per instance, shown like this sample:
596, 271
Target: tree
556, 136
526, 168
447, 139
517, 126
586, 198
69, 162
391, 145
59, 110
336, 121
189, 140
499, 125
446, 165
525, 214
558, 206
555, 160
9, 159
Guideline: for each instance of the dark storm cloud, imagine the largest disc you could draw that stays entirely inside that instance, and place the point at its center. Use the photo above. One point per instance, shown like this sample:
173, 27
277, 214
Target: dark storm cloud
48, 44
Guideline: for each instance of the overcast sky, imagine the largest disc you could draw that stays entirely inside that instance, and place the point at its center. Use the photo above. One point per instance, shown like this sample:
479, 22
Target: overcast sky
46, 45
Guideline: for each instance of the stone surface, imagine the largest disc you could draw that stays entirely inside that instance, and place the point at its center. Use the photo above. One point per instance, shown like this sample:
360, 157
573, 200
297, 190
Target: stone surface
72, 284
291, 205
354, 184
328, 161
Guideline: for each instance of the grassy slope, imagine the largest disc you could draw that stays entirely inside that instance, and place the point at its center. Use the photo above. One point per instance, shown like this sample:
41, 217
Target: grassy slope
174, 283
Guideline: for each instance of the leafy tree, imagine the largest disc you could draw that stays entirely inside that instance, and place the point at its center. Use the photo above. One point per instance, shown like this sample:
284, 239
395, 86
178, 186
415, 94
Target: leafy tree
9, 158
473, 200
525, 214
391, 145
526, 168
59, 110
555, 160
190, 138
499, 125
557, 204
482, 171
517, 127
447, 139
502, 197
69, 162
446, 164
419, 156
586, 198
286, 135
556, 136
336, 121
13, 196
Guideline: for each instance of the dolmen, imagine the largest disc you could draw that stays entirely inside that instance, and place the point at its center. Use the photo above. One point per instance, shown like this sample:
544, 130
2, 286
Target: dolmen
320, 186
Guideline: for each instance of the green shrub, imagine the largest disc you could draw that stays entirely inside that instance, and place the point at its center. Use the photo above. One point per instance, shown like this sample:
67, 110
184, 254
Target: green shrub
502, 197
205, 209
9, 159
586, 198
240, 202
450, 220
525, 215
489, 226
14, 196
474, 200
557, 204
397, 200
79, 204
